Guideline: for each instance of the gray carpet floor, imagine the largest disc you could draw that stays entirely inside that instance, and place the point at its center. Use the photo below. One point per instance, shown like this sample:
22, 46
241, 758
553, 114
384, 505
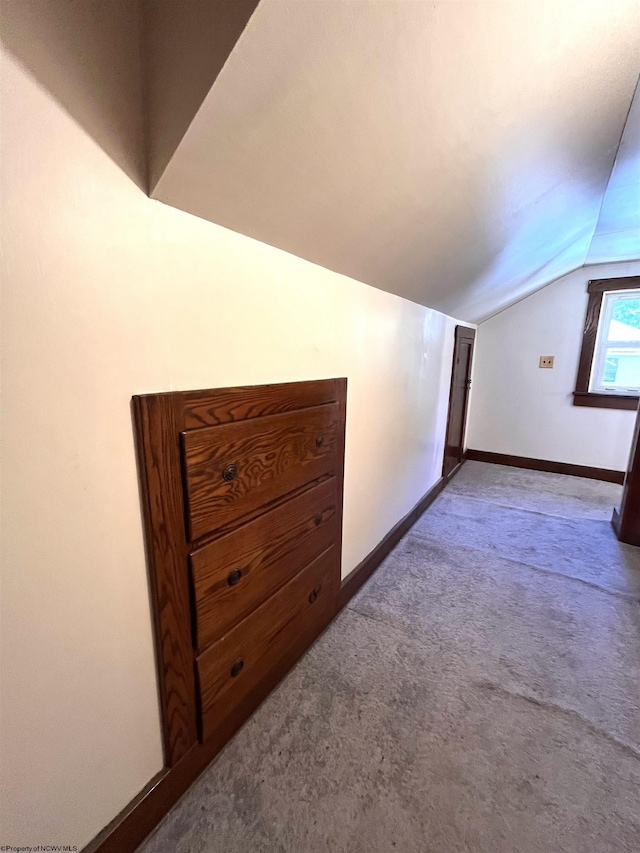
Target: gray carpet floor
481, 693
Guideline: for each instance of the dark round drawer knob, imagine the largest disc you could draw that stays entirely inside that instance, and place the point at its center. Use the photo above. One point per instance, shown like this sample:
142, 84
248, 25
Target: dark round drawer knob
230, 471
236, 669
319, 441
234, 577
314, 594
317, 519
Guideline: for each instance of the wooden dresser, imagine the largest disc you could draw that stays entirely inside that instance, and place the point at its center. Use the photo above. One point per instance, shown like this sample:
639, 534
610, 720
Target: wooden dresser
242, 500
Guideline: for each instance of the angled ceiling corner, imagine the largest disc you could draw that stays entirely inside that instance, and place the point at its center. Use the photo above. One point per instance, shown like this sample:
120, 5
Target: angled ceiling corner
616, 235
617, 232
455, 154
184, 49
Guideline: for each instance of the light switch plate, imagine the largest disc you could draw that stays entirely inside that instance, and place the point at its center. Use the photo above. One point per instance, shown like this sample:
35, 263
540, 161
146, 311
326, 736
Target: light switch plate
547, 361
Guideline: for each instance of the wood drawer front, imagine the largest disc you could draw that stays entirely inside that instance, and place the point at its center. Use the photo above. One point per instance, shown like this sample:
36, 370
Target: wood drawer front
236, 573
254, 647
223, 405
273, 456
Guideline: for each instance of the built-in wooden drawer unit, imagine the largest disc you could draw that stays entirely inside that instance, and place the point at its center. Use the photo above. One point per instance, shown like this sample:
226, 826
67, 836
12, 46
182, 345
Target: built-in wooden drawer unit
242, 497
234, 574
234, 665
232, 469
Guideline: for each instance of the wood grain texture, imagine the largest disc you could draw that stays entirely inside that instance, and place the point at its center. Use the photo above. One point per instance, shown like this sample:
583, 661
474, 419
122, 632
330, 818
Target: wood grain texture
225, 405
267, 552
305, 603
161, 421
603, 285
626, 520
608, 475
158, 423
275, 455
341, 395
127, 831
589, 335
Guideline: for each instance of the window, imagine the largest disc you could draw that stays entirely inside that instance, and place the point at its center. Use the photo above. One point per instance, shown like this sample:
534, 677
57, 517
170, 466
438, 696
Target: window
609, 369
616, 363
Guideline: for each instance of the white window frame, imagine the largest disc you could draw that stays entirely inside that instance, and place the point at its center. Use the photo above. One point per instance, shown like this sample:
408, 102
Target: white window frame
609, 298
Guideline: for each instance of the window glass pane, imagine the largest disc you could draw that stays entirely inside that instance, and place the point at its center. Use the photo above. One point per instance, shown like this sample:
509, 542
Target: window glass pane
626, 312
621, 368
616, 363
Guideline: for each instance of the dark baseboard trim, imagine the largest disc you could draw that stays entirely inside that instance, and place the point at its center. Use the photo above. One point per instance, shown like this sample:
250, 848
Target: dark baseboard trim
606, 474
139, 818
363, 571
454, 471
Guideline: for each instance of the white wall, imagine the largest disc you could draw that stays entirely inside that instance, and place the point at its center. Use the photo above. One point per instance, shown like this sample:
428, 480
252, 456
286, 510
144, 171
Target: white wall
108, 294
361, 145
520, 409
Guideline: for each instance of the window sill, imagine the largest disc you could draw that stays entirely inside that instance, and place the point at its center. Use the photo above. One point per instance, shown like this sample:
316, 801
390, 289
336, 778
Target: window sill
606, 401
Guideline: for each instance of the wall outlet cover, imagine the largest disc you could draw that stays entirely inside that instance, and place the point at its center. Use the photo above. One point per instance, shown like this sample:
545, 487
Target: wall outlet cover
547, 361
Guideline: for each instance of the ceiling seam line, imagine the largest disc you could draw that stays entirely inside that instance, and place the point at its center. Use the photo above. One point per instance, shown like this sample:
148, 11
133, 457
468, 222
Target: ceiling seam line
636, 89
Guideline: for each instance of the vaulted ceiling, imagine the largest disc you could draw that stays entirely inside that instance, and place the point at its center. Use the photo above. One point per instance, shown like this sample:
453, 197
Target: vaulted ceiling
455, 153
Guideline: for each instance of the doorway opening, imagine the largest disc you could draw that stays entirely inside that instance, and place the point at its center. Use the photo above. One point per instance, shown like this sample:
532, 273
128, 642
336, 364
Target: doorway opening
458, 400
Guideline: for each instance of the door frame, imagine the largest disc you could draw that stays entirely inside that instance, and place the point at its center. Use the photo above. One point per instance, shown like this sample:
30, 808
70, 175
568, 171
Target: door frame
626, 517
467, 334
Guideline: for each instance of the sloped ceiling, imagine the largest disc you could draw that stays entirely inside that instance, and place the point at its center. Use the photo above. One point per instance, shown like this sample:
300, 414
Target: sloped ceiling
617, 234
455, 152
